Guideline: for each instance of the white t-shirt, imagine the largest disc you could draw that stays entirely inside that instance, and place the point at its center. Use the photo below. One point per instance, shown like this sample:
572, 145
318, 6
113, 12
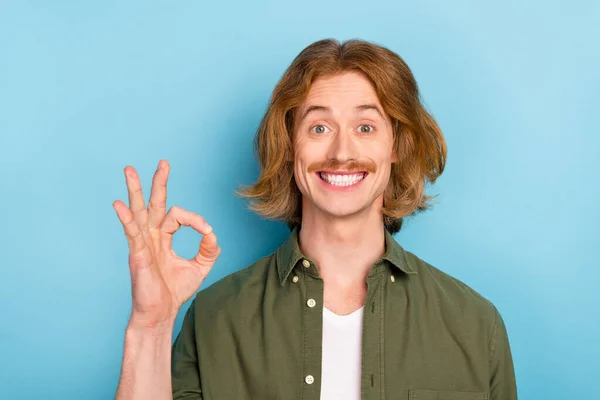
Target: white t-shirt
342, 351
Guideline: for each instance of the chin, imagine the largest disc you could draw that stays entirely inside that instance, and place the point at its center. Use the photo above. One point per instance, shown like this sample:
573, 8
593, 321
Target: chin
340, 210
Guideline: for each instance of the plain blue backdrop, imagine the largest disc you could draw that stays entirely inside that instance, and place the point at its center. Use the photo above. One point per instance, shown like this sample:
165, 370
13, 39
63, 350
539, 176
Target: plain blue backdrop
87, 88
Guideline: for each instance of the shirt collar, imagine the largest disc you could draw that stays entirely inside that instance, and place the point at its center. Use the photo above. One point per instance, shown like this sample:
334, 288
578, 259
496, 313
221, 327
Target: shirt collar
288, 255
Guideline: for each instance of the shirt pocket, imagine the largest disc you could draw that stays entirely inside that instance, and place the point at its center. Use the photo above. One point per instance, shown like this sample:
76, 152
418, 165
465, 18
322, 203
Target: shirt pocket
422, 394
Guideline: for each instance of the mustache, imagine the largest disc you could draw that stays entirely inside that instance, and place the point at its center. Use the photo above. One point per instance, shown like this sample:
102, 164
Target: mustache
334, 165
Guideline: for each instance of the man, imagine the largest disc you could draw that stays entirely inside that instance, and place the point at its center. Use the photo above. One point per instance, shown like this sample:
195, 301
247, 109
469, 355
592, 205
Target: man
340, 310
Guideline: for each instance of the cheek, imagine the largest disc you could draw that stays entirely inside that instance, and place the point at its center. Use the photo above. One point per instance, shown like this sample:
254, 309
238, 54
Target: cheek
383, 157
307, 152
299, 146
385, 150
301, 163
386, 174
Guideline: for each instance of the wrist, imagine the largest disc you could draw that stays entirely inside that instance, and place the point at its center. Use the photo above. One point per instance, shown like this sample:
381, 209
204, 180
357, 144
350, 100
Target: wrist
138, 325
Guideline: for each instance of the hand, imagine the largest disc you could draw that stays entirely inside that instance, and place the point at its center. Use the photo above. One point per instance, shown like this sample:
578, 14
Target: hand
161, 281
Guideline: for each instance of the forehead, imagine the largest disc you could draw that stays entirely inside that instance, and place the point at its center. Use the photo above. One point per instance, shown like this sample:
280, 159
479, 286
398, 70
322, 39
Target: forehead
343, 90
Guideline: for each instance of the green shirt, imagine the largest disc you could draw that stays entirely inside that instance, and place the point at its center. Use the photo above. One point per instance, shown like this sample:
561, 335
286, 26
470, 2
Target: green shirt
257, 334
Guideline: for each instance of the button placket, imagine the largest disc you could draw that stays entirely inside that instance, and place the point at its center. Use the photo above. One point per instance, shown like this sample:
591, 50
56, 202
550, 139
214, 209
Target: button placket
372, 361
312, 332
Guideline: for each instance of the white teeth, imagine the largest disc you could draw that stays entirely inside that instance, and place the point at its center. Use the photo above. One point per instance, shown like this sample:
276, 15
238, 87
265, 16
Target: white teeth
342, 180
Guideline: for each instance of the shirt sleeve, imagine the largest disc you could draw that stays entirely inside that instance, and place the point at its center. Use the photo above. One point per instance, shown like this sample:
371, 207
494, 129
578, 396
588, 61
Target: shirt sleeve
185, 374
503, 385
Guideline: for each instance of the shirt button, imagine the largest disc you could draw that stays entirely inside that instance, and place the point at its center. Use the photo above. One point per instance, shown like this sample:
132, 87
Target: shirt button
392, 278
306, 263
309, 379
295, 279
311, 303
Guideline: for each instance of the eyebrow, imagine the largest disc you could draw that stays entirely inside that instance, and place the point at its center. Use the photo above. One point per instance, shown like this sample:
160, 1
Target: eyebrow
362, 107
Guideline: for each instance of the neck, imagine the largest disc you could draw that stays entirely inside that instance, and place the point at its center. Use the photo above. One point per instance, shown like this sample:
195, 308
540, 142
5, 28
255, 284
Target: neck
344, 249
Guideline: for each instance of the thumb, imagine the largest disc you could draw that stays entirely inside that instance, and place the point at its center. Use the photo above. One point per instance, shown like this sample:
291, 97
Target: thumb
209, 250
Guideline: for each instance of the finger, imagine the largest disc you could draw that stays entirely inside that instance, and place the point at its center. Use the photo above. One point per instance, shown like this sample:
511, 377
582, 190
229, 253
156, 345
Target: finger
137, 204
178, 217
157, 206
132, 230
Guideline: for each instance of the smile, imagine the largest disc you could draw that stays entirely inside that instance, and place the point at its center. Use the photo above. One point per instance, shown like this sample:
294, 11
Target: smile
346, 179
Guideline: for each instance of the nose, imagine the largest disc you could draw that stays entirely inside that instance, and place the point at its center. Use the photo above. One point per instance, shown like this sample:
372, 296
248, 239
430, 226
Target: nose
342, 147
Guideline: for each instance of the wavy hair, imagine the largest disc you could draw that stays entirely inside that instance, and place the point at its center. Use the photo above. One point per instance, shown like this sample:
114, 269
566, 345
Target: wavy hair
418, 141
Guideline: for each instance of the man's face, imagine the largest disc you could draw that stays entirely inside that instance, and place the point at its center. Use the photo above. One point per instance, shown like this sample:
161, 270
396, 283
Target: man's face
343, 145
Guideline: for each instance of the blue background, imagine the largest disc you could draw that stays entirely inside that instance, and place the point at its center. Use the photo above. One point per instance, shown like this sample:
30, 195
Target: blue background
87, 88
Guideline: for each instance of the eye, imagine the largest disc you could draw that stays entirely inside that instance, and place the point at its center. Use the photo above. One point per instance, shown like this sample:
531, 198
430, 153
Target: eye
366, 128
319, 129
